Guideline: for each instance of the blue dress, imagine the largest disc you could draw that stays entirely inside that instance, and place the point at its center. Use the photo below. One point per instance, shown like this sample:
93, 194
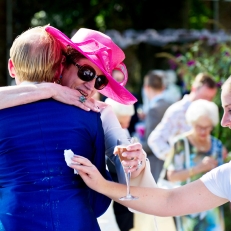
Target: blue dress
38, 191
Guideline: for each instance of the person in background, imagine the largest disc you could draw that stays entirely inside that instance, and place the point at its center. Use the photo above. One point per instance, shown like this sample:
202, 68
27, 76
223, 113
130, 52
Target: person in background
118, 76
154, 89
213, 189
123, 113
173, 122
195, 153
143, 108
145, 98
172, 92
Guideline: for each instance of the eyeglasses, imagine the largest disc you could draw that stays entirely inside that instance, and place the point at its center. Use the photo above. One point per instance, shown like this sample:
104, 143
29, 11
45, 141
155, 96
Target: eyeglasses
87, 73
203, 128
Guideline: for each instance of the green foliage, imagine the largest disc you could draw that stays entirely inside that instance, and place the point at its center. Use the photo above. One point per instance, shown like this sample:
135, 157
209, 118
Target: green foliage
199, 14
102, 14
199, 56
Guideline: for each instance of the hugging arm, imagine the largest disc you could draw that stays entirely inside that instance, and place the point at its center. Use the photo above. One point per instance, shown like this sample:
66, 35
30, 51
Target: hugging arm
26, 93
190, 198
22, 94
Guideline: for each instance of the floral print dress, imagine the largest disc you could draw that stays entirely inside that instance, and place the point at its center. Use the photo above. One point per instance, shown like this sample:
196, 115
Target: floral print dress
211, 220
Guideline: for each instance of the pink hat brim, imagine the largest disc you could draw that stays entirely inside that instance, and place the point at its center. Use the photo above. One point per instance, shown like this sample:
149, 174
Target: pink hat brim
113, 90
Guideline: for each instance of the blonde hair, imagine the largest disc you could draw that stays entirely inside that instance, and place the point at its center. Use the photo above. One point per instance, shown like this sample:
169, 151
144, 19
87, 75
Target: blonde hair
200, 108
227, 84
36, 56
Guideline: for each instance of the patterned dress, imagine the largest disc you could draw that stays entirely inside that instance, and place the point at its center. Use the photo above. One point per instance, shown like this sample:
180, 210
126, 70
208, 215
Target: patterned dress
211, 220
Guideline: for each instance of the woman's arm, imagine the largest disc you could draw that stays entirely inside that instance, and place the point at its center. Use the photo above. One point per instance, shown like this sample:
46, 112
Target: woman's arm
114, 131
22, 94
191, 198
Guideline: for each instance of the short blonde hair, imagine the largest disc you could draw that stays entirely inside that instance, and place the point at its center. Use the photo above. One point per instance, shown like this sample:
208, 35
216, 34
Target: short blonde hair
200, 108
36, 56
121, 109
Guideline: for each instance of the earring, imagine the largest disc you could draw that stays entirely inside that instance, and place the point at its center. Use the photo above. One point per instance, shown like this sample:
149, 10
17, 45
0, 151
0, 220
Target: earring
59, 80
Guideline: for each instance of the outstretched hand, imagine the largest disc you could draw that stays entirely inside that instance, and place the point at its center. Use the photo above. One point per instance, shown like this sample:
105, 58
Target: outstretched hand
89, 173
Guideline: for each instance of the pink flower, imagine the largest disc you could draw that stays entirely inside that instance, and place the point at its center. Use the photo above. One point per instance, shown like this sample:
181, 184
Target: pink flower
191, 63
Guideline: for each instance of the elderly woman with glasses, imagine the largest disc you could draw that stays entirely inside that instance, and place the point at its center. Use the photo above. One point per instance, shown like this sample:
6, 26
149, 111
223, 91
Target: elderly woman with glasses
195, 153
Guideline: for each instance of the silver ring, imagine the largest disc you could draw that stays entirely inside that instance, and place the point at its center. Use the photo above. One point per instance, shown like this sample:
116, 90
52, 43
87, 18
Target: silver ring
82, 99
139, 164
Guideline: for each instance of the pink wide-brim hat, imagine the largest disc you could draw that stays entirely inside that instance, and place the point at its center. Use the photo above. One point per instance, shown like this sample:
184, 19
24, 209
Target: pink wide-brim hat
103, 52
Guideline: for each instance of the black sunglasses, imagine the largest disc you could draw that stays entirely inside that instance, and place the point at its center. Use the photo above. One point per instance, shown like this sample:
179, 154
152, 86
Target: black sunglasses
87, 73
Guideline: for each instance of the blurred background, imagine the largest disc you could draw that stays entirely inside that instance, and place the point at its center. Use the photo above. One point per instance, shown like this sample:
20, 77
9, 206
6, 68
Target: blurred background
142, 28
185, 36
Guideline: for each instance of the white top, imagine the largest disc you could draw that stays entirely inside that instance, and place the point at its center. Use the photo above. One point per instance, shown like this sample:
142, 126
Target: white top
172, 124
112, 132
218, 181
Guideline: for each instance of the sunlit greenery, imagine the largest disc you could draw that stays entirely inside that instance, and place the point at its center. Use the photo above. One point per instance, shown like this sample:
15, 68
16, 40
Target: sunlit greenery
200, 14
199, 56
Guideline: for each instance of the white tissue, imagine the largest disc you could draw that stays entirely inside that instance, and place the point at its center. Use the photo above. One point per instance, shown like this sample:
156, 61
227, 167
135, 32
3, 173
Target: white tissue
68, 154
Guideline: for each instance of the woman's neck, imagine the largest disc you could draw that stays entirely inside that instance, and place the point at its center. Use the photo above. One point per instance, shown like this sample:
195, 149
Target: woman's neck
202, 145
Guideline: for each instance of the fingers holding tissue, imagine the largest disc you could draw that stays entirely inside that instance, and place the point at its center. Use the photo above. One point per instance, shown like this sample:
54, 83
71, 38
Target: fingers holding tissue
88, 172
68, 154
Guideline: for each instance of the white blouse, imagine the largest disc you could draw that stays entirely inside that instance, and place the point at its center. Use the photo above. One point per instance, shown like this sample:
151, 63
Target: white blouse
112, 132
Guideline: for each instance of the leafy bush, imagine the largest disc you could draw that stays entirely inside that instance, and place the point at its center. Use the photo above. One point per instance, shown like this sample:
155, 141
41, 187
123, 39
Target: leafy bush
190, 59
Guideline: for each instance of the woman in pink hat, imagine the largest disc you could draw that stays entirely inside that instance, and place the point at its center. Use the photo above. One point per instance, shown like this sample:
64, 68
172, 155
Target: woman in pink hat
36, 185
93, 52
90, 69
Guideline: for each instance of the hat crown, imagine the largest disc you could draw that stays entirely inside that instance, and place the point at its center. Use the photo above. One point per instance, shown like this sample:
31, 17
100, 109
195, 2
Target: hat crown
84, 34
